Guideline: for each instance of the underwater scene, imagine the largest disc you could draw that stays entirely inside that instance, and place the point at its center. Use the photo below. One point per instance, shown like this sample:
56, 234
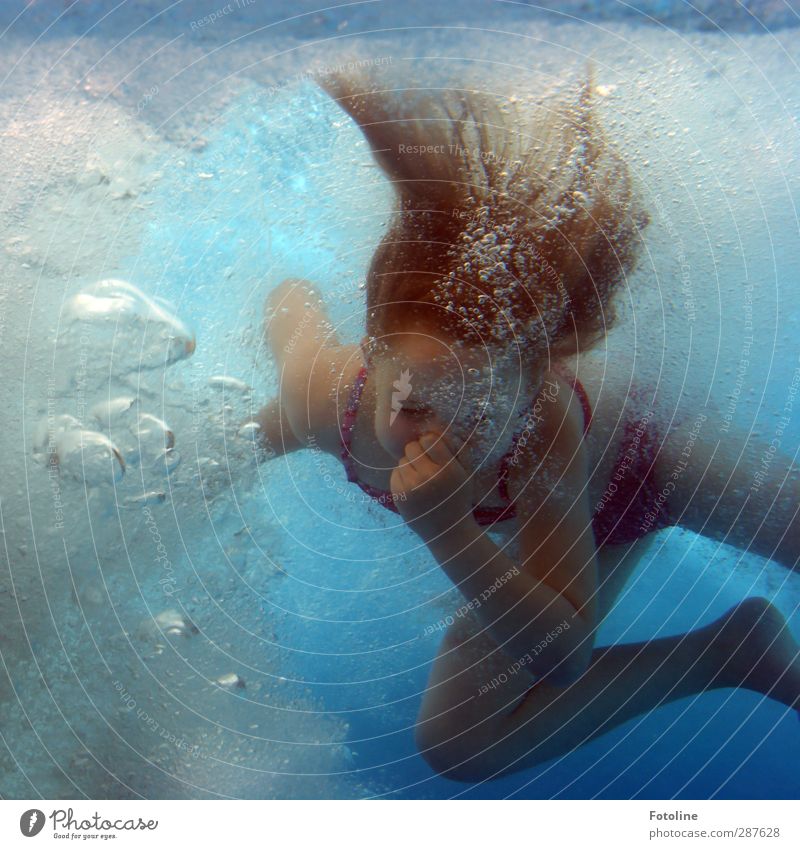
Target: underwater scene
205, 208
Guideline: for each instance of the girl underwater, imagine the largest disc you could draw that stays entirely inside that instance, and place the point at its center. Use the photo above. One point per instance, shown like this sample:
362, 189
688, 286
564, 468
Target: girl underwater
479, 407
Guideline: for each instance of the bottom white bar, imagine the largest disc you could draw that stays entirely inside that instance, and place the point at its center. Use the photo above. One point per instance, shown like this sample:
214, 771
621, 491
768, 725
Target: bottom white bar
404, 823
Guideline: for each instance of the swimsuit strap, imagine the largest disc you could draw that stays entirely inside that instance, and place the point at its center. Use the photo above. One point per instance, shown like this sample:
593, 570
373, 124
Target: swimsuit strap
348, 422
346, 438
577, 386
490, 515
483, 515
508, 457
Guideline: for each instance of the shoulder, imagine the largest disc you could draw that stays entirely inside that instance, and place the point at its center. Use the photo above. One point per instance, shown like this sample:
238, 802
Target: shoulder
553, 444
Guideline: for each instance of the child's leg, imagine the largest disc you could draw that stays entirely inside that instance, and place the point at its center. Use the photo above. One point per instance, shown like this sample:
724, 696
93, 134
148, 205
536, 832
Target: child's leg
730, 487
275, 433
478, 721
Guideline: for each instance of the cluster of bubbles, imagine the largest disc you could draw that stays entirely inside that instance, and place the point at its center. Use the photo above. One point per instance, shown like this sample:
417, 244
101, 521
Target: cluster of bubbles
118, 451
110, 436
500, 259
482, 406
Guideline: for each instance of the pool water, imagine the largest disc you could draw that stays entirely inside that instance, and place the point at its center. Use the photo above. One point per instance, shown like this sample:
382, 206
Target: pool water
183, 618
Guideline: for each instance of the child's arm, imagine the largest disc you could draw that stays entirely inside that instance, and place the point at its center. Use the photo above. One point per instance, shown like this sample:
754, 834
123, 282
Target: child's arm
520, 604
275, 434
308, 360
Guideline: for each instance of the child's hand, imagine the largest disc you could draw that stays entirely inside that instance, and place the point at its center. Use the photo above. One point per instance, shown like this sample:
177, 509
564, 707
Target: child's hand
431, 488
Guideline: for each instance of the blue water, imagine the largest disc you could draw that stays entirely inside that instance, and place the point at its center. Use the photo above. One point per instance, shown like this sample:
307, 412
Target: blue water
360, 590
319, 601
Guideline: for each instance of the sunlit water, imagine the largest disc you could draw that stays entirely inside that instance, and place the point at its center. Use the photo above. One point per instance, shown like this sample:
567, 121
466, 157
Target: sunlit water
183, 618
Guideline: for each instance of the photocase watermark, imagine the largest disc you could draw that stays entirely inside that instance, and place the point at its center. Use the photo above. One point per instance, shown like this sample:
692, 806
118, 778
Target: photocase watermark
744, 360
547, 394
217, 14
546, 268
275, 314
447, 621
3, 307
485, 156
261, 444
422, 149
528, 657
677, 470
348, 493
80, 378
402, 389
67, 826
31, 822
686, 269
325, 70
145, 99
768, 455
167, 581
297, 333
199, 399
524, 254
631, 453
153, 724
53, 473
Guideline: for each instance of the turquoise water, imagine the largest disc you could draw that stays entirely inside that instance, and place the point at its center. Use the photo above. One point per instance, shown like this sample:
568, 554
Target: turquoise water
313, 603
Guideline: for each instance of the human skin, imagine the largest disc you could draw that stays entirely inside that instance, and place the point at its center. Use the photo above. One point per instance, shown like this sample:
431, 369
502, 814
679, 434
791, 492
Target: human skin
574, 691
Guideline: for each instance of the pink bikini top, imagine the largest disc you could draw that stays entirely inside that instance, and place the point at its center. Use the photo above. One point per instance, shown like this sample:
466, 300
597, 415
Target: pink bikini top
483, 515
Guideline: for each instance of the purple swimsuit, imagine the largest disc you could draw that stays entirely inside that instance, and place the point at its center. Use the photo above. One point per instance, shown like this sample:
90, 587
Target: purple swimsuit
627, 511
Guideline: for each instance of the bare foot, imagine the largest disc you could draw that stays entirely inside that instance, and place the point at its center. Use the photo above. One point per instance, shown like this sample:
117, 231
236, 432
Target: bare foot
757, 651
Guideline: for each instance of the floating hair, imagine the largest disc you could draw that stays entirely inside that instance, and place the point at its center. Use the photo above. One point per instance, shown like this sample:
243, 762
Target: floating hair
505, 227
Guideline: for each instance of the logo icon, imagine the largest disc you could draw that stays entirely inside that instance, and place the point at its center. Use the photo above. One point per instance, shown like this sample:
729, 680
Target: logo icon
31, 822
403, 387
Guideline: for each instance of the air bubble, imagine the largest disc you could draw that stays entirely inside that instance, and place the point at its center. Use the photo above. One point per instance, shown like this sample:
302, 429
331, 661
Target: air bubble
170, 622
106, 412
231, 681
153, 434
139, 331
88, 456
249, 431
147, 499
224, 381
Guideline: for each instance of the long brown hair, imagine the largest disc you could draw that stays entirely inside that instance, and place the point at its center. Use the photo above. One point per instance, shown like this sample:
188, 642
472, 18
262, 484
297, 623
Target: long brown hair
505, 230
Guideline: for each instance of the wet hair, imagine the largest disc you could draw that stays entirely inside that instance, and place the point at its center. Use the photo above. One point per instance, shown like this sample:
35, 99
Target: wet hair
506, 230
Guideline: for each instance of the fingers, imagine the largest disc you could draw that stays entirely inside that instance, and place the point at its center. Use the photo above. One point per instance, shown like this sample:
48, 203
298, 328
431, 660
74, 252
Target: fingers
406, 477
416, 457
435, 447
397, 482
428, 455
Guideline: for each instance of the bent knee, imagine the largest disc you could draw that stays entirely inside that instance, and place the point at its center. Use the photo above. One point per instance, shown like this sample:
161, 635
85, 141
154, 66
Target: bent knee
449, 762
467, 757
485, 750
